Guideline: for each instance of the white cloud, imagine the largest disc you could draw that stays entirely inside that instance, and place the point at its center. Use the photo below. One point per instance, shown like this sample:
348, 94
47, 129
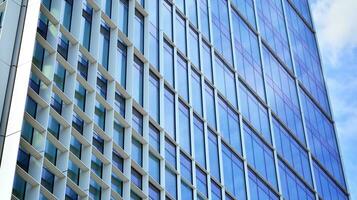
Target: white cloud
336, 26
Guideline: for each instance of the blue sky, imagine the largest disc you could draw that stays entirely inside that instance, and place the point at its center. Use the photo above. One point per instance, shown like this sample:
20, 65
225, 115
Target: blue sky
336, 26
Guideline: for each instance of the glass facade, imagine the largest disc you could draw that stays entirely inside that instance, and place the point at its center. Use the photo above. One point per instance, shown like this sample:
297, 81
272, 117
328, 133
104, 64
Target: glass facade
184, 99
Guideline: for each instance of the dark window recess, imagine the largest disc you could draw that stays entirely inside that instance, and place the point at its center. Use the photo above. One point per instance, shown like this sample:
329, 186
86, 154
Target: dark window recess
62, 47
98, 142
56, 103
82, 68
77, 123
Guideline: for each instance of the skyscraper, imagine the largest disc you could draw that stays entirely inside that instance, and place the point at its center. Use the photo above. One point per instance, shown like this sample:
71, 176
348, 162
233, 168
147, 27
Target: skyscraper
161, 99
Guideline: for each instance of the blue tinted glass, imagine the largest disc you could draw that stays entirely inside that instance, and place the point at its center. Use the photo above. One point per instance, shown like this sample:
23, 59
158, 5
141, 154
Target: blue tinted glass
273, 30
123, 16
180, 33
213, 154
220, 29
139, 31
138, 69
246, 8
233, 173
169, 110
229, 125
210, 106
184, 128
200, 155
168, 66
225, 81
167, 18
182, 79
154, 97
204, 26
154, 167
170, 183
260, 156
196, 91
258, 190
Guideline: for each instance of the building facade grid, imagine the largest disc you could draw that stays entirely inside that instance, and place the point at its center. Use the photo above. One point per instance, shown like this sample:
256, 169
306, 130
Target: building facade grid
161, 99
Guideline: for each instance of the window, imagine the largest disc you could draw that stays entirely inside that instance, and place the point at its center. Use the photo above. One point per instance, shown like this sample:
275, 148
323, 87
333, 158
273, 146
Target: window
97, 166
86, 25
292, 152
180, 33
47, 179
67, 14
104, 45
23, 159
102, 85
200, 153
82, 67
193, 52
121, 70
215, 191
138, 76
206, 61
182, 80
51, 152
246, 8
80, 96
204, 26
35, 83
258, 190
169, 111
225, 81
170, 183
107, 7
306, 58
154, 167
196, 91
213, 154
322, 138
59, 76
186, 191
133, 195
31, 107
137, 151
137, 122
326, 187
184, 127
247, 55
118, 161
220, 29
303, 8
123, 16
70, 194
201, 182
98, 142
282, 94
136, 178
119, 103
42, 24
31, 135
19, 187
99, 115
73, 172
272, 27
153, 10
139, 31
154, 85
167, 18
254, 112
170, 153
117, 184
154, 193
76, 147
118, 134
154, 137
229, 125
53, 126
233, 173
191, 11
38, 56
62, 46
180, 4
168, 68
185, 167
260, 156
292, 187
95, 190
77, 123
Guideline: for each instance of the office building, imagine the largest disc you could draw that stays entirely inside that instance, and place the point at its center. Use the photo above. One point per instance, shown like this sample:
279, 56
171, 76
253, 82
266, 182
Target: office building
165, 99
